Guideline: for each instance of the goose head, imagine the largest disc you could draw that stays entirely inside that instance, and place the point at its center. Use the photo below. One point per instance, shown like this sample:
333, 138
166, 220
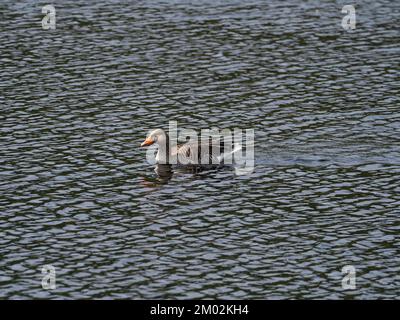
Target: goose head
156, 136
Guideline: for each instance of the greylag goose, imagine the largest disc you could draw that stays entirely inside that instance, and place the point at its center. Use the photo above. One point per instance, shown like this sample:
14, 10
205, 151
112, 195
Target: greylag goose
203, 152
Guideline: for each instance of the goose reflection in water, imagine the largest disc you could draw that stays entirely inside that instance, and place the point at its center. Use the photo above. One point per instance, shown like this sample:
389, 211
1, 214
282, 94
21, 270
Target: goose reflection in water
165, 172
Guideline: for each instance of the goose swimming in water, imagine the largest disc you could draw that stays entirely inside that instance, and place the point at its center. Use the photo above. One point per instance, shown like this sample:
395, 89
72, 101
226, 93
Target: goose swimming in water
205, 152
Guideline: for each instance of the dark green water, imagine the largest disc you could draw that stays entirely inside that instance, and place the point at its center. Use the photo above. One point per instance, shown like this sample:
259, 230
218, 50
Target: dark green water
76, 191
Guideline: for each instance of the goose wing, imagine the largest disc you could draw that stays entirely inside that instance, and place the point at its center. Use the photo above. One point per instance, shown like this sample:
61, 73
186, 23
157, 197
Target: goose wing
197, 153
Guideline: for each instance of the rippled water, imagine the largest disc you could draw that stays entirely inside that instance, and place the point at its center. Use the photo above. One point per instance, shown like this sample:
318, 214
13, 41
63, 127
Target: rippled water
76, 192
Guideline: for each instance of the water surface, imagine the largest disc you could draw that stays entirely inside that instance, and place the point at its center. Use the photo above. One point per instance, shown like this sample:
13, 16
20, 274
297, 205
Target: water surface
76, 190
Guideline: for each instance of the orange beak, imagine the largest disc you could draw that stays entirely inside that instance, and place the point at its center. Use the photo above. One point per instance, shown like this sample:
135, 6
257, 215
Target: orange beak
147, 142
